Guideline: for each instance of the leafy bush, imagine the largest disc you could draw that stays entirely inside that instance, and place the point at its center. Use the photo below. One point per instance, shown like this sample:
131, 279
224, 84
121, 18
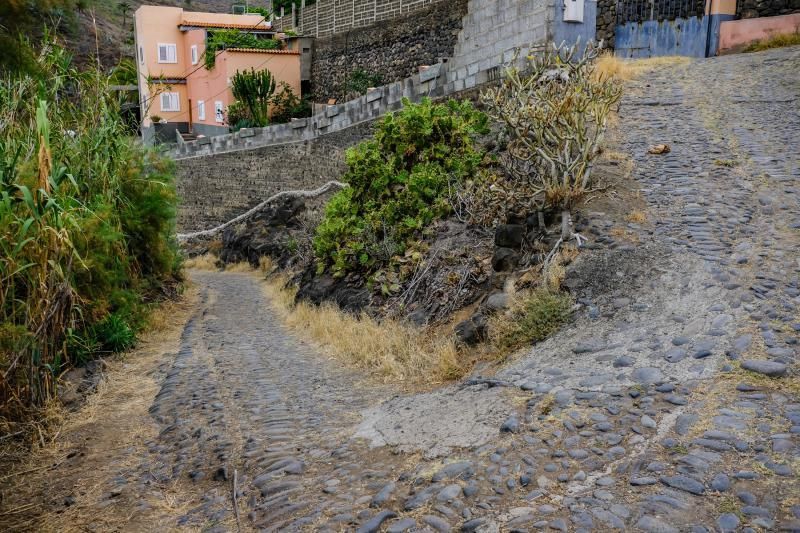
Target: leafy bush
114, 333
360, 80
398, 183
222, 39
533, 317
86, 228
263, 11
286, 105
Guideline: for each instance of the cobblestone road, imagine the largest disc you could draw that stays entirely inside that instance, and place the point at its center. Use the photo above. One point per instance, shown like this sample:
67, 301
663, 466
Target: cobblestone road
653, 412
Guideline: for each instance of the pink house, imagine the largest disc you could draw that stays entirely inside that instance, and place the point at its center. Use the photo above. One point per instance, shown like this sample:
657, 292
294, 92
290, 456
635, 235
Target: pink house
174, 84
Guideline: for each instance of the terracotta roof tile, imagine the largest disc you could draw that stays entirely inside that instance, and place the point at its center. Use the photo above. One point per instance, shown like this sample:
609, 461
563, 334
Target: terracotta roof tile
200, 24
263, 51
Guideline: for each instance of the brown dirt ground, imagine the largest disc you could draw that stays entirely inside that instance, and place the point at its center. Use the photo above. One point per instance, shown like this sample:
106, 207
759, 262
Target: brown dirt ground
93, 444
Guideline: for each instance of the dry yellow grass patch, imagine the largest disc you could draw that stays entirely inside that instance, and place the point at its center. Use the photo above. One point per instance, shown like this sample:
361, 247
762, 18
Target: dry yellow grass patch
393, 350
241, 266
609, 65
202, 262
636, 217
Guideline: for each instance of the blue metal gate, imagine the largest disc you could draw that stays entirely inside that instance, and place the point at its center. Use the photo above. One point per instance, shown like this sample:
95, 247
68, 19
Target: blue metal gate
648, 28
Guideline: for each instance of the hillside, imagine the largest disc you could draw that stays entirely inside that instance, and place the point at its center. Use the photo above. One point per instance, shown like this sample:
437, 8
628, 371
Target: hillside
115, 28
76, 23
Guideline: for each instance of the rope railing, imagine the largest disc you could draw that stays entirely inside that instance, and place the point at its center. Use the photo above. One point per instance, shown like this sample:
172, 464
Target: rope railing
185, 237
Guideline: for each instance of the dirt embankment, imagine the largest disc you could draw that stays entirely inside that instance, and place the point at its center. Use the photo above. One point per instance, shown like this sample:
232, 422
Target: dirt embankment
57, 486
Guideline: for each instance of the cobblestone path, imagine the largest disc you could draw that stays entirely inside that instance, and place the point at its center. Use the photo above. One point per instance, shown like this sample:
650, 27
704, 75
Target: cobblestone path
671, 404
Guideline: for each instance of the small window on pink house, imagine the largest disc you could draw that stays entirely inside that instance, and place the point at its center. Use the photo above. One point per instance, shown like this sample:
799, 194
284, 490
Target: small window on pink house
219, 111
167, 53
170, 102
201, 110
194, 54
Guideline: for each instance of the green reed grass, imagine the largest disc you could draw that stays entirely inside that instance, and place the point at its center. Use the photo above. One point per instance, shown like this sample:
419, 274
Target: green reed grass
86, 228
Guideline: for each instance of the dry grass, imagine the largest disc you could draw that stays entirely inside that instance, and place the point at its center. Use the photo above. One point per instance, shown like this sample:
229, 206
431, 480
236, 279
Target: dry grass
775, 41
553, 276
609, 65
242, 266
636, 217
393, 350
202, 262
209, 261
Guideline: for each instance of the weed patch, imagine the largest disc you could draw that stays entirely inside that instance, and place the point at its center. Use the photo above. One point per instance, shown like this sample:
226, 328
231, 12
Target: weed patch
775, 41
533, 317
86, 228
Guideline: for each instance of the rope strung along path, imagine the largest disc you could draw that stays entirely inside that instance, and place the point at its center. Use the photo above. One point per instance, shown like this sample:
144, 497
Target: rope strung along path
185, 237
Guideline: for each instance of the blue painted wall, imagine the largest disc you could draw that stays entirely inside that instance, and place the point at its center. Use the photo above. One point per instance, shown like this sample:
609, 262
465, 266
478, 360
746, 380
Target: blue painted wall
713, 33
683, 37
572, 31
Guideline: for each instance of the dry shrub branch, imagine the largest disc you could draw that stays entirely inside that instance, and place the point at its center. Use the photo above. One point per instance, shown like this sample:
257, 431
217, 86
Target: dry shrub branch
555, 114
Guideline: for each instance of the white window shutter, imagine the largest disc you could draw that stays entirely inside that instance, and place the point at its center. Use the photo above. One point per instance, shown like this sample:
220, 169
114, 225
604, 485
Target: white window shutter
165, 102
167, 53
201, 110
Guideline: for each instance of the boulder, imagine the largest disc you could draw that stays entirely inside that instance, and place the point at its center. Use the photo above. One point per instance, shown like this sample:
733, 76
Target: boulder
496, 302
472, 330
509, 235
504, 260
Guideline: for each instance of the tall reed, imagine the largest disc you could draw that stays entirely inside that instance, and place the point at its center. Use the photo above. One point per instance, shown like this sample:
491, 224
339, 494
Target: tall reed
86, 228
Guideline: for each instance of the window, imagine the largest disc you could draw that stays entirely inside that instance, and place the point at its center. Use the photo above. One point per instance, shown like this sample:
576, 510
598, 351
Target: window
170, 102
141, 55
194, 54
219, 114
201, 110
167, 53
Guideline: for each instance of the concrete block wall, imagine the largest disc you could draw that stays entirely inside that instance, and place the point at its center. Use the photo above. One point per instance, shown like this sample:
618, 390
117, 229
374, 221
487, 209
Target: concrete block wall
391, 50
491, 32
334, 118
329, 17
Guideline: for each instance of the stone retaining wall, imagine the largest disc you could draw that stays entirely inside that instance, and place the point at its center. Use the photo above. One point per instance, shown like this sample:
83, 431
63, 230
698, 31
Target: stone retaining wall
606, 21
748, 9
215, 189
392, 50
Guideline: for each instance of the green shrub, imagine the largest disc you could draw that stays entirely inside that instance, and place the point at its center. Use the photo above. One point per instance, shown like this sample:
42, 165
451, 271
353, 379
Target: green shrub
286, 105
222, 39
86, 227
398, 183
360, 80
114, 334
533, 317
